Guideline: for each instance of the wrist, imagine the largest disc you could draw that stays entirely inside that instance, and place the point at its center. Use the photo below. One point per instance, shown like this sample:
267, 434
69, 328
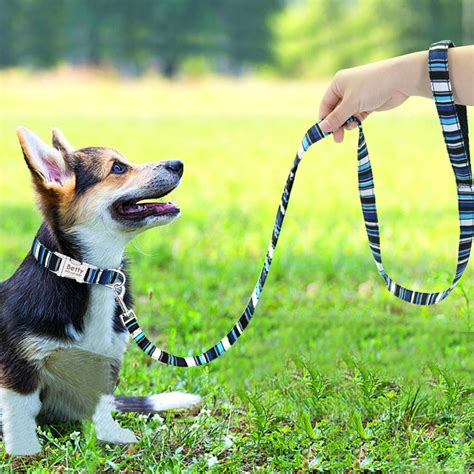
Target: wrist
413, 74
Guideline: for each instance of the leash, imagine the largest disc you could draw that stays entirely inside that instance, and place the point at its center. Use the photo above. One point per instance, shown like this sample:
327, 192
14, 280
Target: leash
453, 120
454, 126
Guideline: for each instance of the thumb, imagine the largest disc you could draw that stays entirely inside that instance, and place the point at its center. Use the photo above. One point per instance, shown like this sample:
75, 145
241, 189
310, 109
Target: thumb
336, 118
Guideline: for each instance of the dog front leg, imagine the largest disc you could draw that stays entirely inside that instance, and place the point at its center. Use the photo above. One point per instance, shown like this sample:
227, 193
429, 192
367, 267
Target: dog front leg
107, 429
19, 413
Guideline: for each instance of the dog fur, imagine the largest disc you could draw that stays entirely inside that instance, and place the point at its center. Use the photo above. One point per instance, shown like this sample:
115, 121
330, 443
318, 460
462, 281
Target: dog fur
62, 342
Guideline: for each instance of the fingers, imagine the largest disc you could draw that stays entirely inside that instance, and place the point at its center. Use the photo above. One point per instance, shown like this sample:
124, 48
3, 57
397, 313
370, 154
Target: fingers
336, 110
329, 102
330, 109
337, 117
350, 126
338, 135
361, 116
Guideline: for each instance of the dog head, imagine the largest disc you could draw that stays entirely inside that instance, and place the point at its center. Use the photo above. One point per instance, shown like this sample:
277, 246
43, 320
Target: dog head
98, 188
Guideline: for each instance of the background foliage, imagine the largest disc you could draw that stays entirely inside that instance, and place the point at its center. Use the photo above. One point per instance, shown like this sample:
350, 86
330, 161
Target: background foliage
282, 37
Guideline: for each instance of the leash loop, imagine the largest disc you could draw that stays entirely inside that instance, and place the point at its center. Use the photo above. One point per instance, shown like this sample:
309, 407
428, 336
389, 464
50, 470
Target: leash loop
453, 119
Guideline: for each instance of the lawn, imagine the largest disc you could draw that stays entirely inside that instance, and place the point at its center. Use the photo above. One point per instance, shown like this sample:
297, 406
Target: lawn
333, 372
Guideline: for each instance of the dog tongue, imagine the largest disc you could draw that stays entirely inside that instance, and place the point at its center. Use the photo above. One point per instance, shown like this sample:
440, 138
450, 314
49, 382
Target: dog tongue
149, 208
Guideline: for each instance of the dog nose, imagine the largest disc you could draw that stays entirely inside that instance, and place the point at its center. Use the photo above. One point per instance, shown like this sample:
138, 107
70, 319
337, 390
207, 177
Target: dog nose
175, 165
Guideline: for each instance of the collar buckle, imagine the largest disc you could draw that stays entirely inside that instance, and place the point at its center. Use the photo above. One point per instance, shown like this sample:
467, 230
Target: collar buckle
72, 269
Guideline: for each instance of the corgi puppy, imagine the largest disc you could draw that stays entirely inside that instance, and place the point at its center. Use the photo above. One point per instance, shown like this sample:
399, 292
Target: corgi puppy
62, 342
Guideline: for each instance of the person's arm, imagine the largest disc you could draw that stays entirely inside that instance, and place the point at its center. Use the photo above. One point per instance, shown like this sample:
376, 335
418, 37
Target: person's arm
386, 84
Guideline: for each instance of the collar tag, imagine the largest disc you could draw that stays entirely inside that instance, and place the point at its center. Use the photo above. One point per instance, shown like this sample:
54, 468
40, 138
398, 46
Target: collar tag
72, 269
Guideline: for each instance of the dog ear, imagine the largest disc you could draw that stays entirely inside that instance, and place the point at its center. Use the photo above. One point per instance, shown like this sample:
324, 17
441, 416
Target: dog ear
47, 165
60, 142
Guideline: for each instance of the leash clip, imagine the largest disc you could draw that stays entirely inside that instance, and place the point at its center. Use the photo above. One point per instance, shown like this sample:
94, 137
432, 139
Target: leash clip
119, 286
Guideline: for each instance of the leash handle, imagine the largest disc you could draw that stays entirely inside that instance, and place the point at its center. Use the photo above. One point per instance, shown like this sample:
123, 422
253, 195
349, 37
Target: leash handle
453, 119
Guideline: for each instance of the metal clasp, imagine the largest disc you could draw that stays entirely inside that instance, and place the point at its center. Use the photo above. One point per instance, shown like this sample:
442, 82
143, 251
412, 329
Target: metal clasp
119, 287
72, 269
119, 293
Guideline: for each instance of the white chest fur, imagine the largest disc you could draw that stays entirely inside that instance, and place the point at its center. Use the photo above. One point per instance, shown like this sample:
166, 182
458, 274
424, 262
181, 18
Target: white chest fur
103, 251
98, 334
78, 371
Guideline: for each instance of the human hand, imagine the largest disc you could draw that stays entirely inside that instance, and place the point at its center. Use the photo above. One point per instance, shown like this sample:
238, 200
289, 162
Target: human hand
359, 91
386, 84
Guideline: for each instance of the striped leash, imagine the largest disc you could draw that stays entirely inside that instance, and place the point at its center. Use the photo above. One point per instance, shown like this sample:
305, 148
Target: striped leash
453, 120
129, 317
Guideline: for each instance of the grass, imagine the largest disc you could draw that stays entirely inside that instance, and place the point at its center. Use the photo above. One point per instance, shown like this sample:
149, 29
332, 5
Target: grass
334, 372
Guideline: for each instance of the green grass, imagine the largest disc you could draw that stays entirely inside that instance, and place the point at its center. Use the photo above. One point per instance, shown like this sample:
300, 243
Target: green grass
333, 372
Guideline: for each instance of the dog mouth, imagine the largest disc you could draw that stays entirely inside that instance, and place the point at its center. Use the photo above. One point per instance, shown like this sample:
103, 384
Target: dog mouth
141, 207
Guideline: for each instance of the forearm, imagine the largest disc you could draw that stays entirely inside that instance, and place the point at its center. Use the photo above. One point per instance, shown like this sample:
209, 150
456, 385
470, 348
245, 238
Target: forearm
414, 78
384, 85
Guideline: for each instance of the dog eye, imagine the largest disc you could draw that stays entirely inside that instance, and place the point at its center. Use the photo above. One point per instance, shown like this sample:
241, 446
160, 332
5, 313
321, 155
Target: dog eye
118, 168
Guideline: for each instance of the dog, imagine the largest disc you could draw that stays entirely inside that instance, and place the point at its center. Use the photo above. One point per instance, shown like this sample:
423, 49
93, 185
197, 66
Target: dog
62, 342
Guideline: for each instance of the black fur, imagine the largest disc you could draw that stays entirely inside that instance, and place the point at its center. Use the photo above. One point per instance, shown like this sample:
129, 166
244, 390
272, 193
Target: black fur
35, 301
134, 405
87, 170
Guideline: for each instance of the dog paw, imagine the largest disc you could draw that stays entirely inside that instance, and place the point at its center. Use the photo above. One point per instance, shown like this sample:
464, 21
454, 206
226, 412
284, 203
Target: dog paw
22, 448
118, 436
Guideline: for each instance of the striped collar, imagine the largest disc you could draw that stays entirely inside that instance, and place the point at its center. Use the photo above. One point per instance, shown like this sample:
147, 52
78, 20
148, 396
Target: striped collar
67, 267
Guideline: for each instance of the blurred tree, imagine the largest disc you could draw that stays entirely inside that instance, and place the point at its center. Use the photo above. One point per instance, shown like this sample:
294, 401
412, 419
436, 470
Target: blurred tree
246, 31
415, 25
468, 21
180, 29
318, 37
133, 34
92, 27
299, 37
45, 25
13, 41
6, 35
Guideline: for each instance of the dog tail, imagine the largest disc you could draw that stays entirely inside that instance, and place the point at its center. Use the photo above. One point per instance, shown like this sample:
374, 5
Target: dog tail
155, 403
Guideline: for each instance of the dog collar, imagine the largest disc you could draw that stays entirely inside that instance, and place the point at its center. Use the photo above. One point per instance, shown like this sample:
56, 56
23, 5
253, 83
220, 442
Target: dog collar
67, 267
453, 120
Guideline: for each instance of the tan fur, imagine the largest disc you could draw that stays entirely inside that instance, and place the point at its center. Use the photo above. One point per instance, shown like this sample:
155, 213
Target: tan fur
93, 211
77, 209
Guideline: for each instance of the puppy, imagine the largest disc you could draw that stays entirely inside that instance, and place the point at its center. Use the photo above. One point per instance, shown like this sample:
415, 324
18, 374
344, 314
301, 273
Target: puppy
62, 342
